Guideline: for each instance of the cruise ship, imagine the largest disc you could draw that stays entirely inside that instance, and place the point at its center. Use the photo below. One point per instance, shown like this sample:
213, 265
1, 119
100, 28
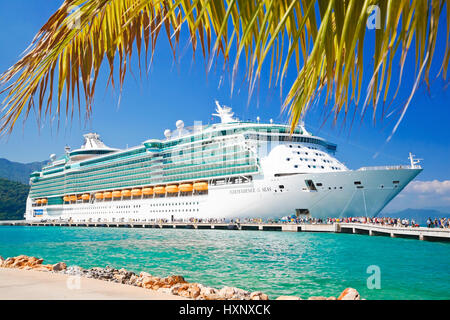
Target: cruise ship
226, 170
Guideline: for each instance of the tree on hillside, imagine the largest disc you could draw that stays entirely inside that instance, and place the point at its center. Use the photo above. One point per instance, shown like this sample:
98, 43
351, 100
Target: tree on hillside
13, 198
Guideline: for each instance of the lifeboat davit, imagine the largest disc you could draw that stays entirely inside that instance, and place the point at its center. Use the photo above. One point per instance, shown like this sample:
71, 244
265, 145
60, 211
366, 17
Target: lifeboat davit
107, 195
99, 195
66, 198
172, 189
147, 191
159, 190
126, 193
201, 186
186, 187
116, 194
85, 196
136, 192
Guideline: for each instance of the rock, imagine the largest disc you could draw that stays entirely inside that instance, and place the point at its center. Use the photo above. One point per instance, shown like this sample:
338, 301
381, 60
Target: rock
171, 280
227, 292
120, 278
349, 294
180, 289
132, 280
258, 295
175, 288
8, 262
317, 298
59, 266
241, 294
75, 270
150, 281
331, 298
208, 291
1, 261
144, 274
194, 290
288, 298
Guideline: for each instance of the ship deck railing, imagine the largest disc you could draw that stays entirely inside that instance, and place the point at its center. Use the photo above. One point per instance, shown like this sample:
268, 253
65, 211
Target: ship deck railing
389, 167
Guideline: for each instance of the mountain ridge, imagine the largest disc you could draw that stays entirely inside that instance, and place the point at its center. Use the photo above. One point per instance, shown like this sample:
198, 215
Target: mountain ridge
17, 171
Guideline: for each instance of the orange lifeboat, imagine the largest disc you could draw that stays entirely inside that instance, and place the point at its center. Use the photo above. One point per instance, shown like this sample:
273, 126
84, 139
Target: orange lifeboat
186, 187
44, 201
66, 198
99, 195
116, 194
107, 195
201, 186
38, 201
73, 198
147, 191
85, 196
126, 193
136, 192
172, 189
159, 190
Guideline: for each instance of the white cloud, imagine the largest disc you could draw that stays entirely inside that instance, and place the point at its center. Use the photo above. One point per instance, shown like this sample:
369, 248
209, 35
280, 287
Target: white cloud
435, 186
422, 194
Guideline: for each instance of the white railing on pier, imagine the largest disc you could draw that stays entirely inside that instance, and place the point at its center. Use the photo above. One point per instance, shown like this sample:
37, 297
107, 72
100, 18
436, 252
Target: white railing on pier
389, 167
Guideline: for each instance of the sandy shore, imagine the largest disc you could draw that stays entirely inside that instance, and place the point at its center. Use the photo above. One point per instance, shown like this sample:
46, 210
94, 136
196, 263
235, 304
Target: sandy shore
34, 285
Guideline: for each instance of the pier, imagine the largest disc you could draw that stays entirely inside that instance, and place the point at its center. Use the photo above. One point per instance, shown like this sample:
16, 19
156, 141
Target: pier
421, 233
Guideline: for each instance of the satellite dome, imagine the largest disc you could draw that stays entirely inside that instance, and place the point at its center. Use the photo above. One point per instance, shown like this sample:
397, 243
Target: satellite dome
179, 124
167, 133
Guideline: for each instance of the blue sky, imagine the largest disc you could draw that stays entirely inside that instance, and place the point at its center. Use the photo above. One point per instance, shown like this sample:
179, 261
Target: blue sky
183, 90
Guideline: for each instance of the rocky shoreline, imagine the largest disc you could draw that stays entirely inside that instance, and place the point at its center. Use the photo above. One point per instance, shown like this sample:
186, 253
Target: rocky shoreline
174, 284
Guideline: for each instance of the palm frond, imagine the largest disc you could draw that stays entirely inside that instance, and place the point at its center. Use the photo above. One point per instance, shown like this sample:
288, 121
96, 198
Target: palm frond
324, 37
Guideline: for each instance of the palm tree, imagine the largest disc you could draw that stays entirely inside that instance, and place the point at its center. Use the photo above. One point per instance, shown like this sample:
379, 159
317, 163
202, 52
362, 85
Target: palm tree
325, 38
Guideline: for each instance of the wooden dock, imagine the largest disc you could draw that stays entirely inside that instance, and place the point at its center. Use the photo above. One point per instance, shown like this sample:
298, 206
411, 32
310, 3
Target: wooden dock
421, 233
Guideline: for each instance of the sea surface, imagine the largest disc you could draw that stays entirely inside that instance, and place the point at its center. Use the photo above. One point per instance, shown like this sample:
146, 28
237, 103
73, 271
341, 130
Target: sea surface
277, 263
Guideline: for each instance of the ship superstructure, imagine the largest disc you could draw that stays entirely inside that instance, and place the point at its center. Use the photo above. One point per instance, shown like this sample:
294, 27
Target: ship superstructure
225, 170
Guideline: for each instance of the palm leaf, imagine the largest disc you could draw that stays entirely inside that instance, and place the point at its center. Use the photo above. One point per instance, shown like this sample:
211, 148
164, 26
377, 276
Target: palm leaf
326, 39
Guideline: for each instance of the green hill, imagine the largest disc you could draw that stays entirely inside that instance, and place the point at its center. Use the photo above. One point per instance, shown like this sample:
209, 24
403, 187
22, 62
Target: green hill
13, 197
16, 171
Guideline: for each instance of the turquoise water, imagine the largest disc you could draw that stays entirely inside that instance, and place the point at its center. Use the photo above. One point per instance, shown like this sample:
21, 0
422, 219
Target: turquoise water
277, 263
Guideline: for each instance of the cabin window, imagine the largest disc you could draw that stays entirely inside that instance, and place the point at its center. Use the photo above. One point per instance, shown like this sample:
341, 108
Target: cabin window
357, 182
396, 182
310, 185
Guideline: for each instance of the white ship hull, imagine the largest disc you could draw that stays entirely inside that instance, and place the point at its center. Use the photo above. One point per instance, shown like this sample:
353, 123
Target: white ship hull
336, 195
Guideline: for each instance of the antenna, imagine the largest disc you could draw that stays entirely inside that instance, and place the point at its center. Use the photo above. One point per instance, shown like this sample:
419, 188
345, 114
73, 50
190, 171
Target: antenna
414, 162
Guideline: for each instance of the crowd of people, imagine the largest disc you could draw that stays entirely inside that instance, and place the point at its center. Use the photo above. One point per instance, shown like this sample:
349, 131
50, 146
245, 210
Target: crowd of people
394, 222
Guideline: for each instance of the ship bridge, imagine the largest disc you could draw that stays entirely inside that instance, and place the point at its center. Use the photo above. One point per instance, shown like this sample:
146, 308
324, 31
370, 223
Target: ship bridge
93, 146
